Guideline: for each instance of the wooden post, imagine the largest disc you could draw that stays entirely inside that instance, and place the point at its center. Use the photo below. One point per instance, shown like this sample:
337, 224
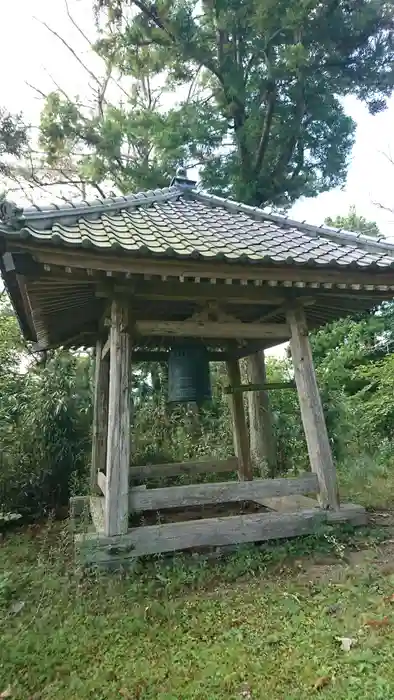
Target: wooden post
241, 441
312, 410
118, 447
100, 416
262, 437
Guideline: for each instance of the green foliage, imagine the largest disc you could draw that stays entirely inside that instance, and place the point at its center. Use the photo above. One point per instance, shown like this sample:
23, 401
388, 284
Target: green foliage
270, 77
355, 222
45, 423
13, 139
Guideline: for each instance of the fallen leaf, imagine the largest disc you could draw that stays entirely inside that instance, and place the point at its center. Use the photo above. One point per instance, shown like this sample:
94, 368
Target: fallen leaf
384, 622
7, 693
321, 682
346, 642
16, 608
389, 598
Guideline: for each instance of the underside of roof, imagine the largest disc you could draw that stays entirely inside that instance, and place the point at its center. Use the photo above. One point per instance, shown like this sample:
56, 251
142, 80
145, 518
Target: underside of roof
174, 251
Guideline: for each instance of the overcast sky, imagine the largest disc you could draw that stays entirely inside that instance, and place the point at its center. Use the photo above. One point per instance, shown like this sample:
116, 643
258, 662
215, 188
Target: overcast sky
30, 54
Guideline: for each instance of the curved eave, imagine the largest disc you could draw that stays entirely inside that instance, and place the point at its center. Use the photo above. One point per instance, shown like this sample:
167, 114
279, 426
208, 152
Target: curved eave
18, 303
57, 241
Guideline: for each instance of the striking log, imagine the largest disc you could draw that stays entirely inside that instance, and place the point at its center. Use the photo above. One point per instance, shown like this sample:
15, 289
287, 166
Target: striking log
260, 386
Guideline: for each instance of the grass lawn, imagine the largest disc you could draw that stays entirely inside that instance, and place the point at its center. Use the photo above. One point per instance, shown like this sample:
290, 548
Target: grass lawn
254, 625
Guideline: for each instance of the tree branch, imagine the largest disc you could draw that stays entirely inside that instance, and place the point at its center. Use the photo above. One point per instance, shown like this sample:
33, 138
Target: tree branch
265, 134
69, 48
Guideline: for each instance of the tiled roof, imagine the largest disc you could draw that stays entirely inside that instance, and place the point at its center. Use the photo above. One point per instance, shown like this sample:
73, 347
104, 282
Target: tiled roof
184, 223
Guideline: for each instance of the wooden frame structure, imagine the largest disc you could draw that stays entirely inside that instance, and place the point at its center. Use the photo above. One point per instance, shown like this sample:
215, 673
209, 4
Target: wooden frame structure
137, 305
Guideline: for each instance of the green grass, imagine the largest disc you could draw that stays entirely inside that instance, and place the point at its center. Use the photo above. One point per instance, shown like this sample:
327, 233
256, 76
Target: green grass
253, 625
368, 480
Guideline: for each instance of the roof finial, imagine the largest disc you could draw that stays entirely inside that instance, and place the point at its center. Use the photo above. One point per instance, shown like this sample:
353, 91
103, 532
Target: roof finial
181, 179
10, 213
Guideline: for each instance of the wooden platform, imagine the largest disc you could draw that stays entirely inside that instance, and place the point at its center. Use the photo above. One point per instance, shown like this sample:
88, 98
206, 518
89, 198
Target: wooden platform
288, 517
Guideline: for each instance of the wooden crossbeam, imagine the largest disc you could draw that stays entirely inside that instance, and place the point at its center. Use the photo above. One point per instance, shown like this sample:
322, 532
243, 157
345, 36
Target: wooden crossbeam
220, 492
266, 386
210, 329
115, 552
152, 471
209, 532
106, 348
163, 355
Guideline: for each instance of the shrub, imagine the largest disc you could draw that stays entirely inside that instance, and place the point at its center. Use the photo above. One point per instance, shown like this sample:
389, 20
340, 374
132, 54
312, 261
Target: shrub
46, 441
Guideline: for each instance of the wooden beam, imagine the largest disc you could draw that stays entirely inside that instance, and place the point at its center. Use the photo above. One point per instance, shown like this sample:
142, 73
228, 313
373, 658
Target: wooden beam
100, 416
240, 433
154, 471
102, 482
97, 509
210, 329
220, 492
264, 386
312, 410
78, 505
261, 428
106, 348
189, 268
174, 290
209, 532
162, 356
118, 450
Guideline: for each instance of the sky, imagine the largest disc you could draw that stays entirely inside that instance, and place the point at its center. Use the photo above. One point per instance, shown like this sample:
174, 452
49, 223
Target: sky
30, 54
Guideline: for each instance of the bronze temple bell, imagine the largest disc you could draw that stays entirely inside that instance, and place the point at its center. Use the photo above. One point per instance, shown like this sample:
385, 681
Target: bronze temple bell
189, 378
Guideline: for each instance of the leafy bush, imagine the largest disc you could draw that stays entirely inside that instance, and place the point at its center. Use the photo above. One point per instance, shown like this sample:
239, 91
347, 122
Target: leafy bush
46, 441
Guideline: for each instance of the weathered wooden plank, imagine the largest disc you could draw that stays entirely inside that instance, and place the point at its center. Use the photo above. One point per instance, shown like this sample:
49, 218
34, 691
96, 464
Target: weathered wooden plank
106, 348
78, 505
102, 482
174, 290
189, 268
100, 416
263, 450
263, 386
221, 492
97, 507
212, 329
211, 532
151, 471
162, 356
312, 415
289, 504
118, 449
240, 433
348, 513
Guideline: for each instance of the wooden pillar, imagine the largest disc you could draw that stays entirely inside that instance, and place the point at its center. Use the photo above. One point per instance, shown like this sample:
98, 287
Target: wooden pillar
241, 438
118, 446
312, 410
100, 416
261, 429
